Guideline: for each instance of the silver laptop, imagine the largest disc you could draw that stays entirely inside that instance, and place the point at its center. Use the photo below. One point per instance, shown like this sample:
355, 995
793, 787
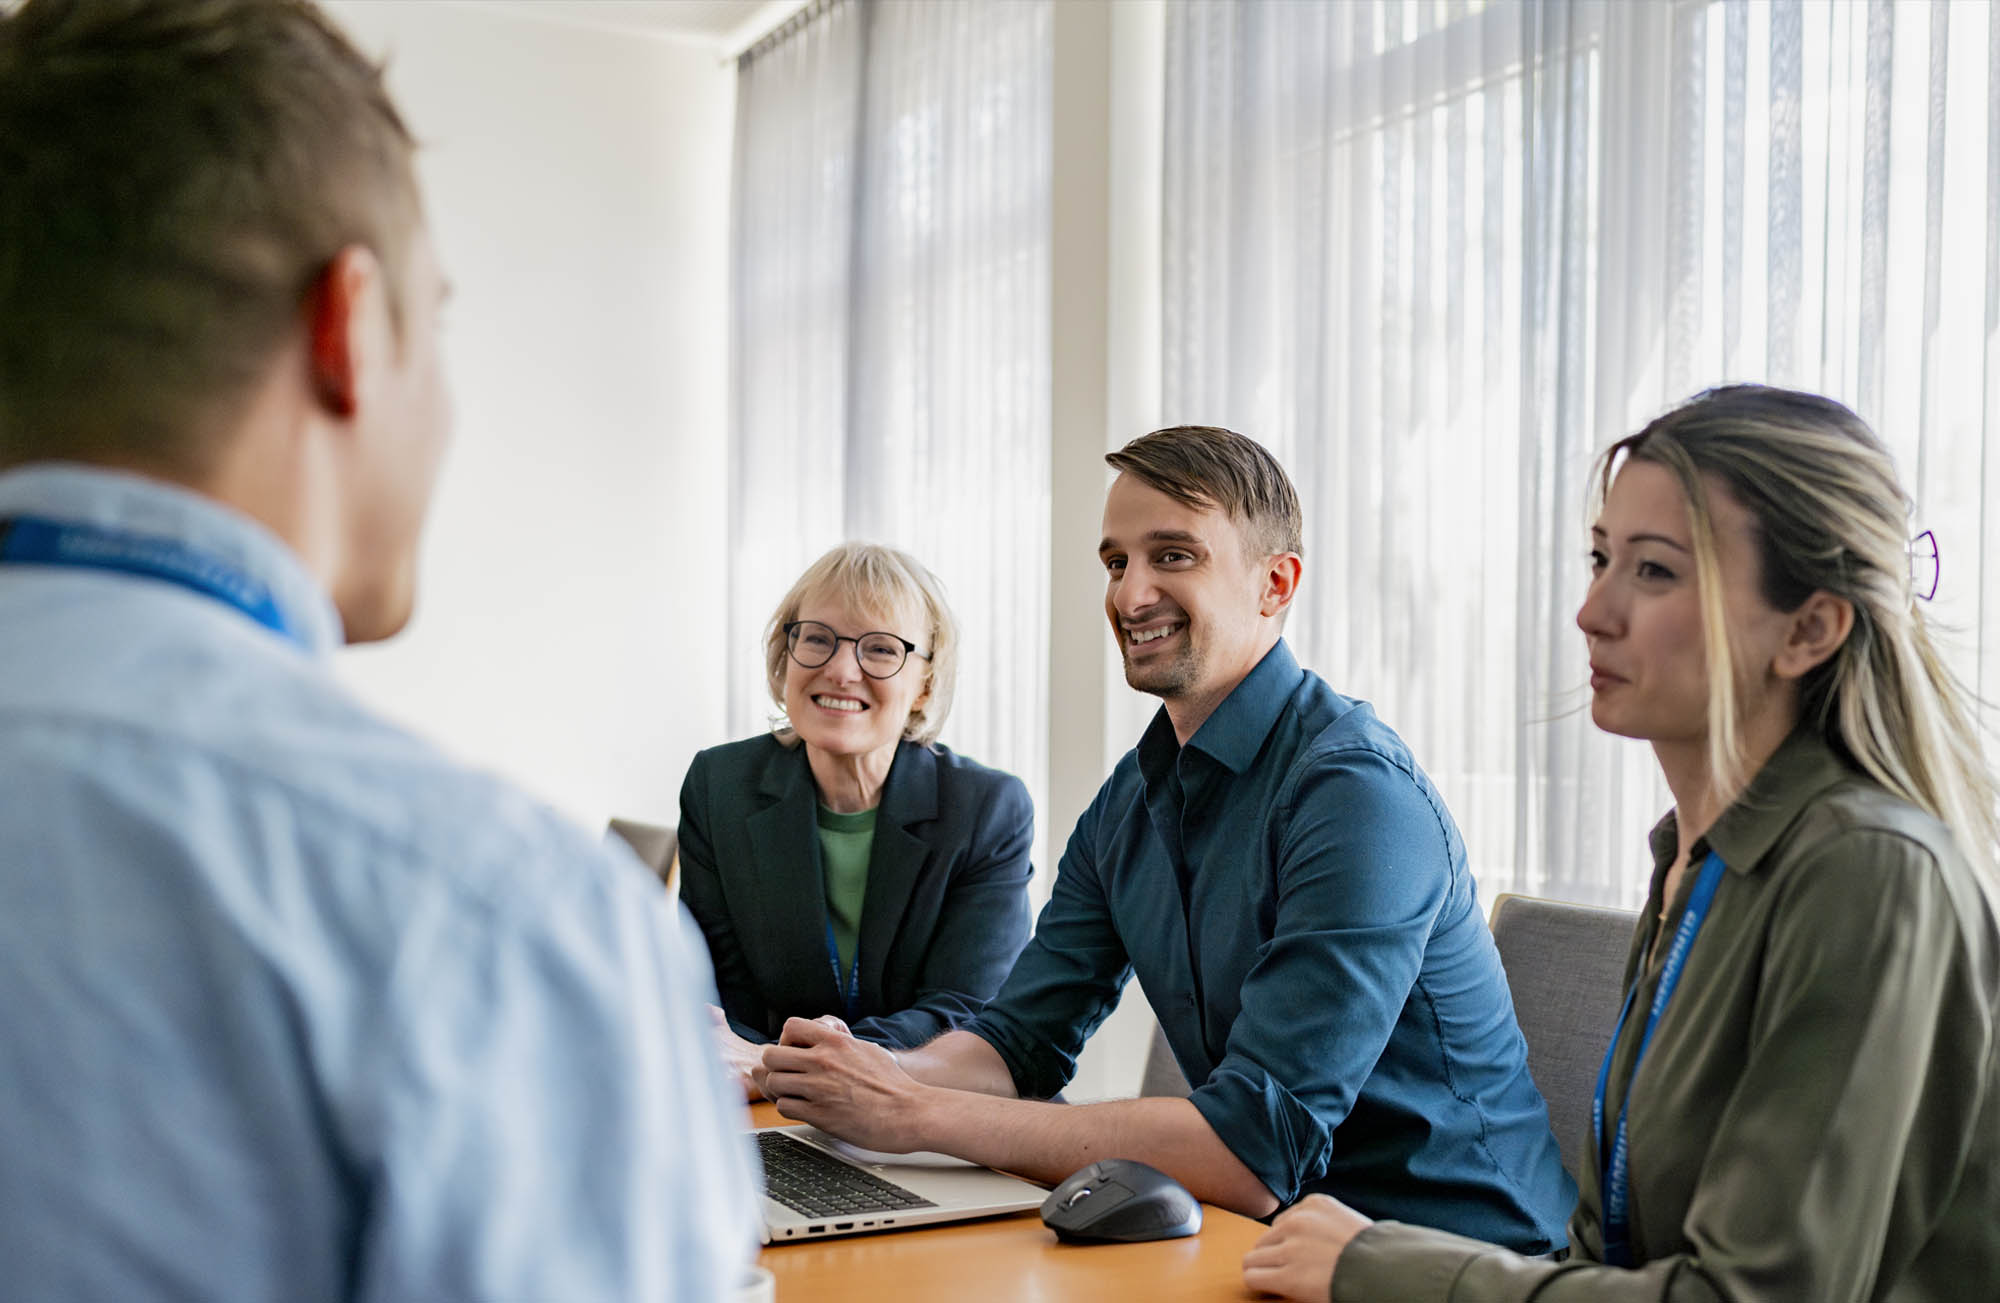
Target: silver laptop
815, 1186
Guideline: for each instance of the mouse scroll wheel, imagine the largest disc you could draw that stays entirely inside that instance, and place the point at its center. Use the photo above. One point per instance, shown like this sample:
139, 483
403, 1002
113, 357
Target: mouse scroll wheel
1078, 1197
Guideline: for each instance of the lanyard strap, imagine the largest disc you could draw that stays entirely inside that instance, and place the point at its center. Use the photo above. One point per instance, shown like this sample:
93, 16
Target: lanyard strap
1613, 1169
850, 989
33, 540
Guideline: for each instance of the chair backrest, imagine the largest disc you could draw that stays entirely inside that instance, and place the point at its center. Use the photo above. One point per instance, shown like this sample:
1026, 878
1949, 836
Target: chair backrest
1162, 1075
655, 846
1566, 966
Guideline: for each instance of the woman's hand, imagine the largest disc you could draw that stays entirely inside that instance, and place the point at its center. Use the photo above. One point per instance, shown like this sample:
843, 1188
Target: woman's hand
738, 1055
1296, 1257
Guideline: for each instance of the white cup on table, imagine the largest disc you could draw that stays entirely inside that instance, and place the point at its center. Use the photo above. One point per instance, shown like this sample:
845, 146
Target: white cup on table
757, 1285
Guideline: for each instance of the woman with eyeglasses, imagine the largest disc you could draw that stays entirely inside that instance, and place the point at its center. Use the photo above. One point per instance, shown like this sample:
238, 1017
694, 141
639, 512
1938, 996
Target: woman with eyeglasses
845, 864
1801, 1102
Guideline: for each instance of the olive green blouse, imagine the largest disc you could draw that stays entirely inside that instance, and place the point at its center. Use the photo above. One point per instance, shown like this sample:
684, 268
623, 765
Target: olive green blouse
1818, 1117
845, 843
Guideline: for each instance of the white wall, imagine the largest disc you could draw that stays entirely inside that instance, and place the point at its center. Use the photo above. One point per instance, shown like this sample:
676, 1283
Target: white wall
578, 184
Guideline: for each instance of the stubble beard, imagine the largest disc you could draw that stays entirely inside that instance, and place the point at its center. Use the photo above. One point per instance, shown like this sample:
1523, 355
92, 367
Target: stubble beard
1166, 679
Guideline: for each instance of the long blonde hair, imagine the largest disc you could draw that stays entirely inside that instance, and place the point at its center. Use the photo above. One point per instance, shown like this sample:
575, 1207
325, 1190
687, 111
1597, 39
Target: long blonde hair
1830, 515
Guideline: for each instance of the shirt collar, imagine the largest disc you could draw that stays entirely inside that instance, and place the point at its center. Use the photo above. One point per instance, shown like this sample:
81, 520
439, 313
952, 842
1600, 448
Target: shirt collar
1800, 769
1234, 733
121, 500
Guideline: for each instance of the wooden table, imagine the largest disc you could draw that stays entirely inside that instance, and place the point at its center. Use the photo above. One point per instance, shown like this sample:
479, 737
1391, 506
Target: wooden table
1012, 1259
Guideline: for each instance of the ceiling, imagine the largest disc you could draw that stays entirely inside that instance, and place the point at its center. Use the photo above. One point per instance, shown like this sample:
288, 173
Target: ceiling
721, 23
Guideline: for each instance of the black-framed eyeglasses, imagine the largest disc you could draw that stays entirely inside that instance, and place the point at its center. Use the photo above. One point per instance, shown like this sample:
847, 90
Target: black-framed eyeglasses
880, 655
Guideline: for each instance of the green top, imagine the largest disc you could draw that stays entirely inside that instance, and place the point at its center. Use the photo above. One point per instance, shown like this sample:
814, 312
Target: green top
1818, 1117
844, 843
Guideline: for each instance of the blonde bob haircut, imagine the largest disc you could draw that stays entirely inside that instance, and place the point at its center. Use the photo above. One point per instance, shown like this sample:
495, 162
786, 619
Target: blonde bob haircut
886, 584
1830, 515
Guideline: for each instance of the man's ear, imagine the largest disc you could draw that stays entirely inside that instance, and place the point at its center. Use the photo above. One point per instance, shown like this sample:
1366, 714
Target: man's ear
1281, 582
336, 317
1816, 631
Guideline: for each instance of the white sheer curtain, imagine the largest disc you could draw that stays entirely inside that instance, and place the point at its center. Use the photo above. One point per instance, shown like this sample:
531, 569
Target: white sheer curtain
891, 333
1436, 253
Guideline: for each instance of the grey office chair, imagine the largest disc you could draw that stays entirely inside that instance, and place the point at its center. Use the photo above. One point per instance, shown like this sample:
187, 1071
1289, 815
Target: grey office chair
655, 846
1566, 966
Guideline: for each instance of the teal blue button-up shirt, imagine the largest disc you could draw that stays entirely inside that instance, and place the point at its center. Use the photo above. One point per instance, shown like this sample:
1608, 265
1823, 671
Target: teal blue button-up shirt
1294, 898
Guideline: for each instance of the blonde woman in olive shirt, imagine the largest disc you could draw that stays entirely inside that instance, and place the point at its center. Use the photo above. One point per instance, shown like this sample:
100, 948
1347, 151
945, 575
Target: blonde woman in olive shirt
845, 864
1817, 1117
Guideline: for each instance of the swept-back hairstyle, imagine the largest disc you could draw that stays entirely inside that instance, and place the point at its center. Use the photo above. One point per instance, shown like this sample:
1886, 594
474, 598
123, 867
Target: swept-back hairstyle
177, 174
879, 582
1829, 515
1206, 466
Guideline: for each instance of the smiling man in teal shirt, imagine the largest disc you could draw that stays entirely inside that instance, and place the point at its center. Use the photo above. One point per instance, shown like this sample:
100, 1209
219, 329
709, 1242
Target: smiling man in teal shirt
1291, 893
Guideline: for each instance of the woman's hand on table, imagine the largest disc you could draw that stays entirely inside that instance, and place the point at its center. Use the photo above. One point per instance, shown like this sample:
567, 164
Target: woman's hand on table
738, 1055
1296, 1257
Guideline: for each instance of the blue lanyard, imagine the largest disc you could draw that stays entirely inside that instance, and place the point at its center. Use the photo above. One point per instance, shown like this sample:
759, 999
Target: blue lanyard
33, 540
851, 988
1613, 1171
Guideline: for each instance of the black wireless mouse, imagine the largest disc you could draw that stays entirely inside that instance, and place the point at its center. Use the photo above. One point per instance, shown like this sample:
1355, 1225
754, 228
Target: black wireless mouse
1120, 1199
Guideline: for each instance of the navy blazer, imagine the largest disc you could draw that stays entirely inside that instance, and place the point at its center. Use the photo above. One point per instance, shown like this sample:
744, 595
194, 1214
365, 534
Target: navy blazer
946, 909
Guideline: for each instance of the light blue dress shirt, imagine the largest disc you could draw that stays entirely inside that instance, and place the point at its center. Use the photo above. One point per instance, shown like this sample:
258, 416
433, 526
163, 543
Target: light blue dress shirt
293, 1007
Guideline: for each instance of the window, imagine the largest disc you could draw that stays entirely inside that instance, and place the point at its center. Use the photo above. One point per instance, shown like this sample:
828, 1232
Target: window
892, 334
1437, 253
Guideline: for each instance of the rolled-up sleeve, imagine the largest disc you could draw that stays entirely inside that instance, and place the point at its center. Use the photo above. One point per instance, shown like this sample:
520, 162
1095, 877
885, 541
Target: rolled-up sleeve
1364, 864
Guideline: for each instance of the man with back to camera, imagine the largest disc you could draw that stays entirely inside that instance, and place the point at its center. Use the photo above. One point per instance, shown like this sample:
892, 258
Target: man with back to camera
1289, 889
295, 1008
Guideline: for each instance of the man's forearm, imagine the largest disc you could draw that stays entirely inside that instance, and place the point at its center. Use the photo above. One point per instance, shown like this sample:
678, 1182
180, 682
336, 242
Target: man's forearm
1046, 1142
953, 1096
959, 1061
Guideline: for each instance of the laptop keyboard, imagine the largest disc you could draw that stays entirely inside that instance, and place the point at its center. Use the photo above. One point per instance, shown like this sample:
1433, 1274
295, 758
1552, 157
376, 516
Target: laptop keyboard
817, 1184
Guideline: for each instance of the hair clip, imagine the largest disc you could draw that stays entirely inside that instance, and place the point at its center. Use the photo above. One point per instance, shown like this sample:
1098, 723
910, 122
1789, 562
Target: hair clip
1924, 567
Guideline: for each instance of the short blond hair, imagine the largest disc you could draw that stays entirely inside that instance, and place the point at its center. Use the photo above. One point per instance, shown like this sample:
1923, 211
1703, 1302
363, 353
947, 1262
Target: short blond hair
883, 582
